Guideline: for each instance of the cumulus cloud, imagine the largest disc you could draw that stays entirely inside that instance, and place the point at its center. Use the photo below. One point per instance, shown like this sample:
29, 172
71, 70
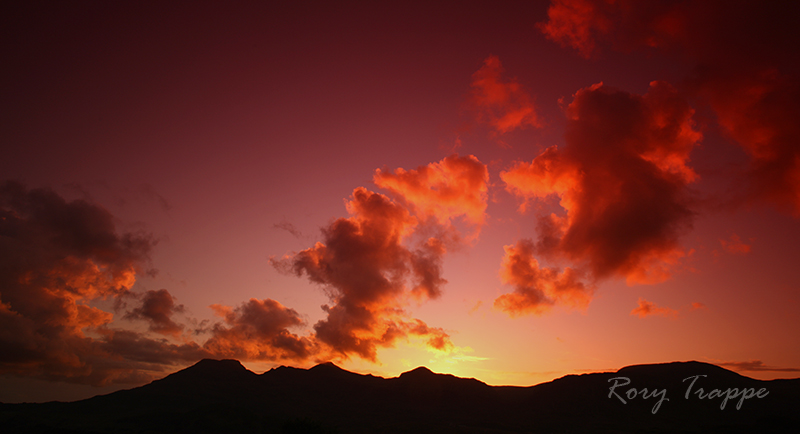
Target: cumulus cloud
622, 180
537, 289
503, 104
370, 274
744, 63
646, 308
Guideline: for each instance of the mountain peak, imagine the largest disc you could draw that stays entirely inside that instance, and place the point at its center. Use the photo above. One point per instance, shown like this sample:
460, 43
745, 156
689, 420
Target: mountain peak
213, 365
215, 370
326, 366
419, 372
220, 363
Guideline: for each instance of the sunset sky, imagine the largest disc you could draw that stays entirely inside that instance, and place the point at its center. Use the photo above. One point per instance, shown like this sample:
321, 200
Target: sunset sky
509, 191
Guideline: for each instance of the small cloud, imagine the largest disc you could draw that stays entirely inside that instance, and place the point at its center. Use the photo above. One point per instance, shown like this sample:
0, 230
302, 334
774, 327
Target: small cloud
288, 227
576, 23
647, 308
754, 366
157, 308
697, 305
148, 193
735, 245
475, 308
504, 105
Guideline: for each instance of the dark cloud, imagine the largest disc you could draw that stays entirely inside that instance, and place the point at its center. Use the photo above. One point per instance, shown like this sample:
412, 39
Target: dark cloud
136, 350
57, 257
157, 308
622, 181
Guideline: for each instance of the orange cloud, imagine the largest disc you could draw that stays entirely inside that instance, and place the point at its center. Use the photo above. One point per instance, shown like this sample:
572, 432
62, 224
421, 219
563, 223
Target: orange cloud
735, 245
743, 58
647, 308
621, 179
445, 190
697, 305
537, 289
258, 330
369, 275
504, 105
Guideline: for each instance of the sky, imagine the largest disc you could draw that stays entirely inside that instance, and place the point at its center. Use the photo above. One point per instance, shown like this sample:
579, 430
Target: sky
510, 191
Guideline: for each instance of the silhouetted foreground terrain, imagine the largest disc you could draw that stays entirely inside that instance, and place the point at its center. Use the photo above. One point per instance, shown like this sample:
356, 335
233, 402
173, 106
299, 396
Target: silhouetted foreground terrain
224, 397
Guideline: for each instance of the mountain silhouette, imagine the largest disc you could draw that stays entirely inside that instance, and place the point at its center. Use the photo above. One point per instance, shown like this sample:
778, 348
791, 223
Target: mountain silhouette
222, 396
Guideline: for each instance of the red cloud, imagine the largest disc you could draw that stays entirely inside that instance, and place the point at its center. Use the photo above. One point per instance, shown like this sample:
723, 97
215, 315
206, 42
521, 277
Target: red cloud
504, 105
445, 190
744, 58
647, 308
622, 181
258, 330
537, 289
369, 274
759, 110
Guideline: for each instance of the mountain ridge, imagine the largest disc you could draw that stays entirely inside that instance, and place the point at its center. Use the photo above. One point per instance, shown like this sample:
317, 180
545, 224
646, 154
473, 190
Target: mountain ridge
224, 396
423, 371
